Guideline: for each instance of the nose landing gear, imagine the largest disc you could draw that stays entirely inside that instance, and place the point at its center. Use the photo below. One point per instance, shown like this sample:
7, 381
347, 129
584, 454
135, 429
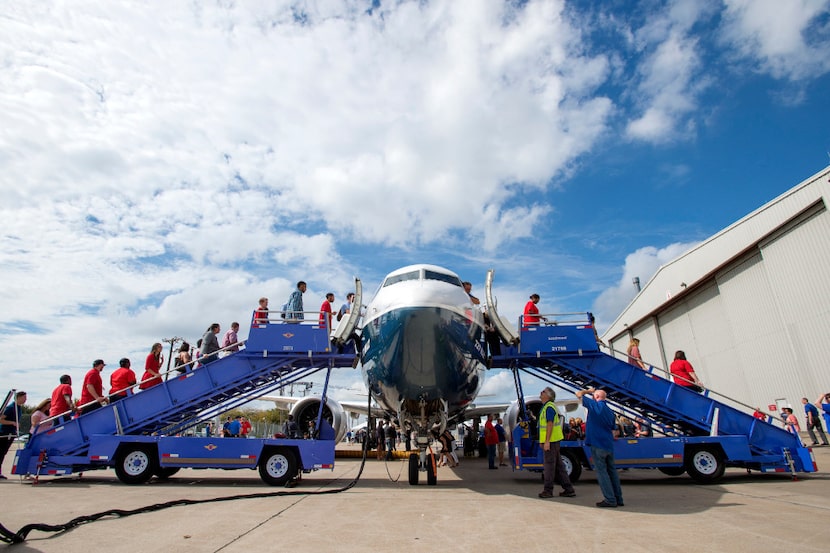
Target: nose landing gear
422, 462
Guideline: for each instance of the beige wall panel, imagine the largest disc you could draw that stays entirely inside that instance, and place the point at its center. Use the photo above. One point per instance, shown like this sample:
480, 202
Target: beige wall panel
798, 265
761, 345
676, 331
717, 362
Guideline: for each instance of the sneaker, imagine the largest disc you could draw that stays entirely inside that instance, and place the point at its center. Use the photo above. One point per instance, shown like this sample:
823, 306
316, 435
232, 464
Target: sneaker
815, 443
3, 477
545, 495
567, 494
620, 504
493, 468
604, 503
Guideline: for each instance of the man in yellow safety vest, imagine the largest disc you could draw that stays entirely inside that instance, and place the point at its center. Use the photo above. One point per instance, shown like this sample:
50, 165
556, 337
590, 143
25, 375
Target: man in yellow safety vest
550, 434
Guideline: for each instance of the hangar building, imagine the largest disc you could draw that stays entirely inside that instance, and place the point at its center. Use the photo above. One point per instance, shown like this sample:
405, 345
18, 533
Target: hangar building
750, 305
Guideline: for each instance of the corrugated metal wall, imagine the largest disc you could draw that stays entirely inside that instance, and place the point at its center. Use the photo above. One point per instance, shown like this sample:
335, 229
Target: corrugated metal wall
757, 330
797, 265
762, 360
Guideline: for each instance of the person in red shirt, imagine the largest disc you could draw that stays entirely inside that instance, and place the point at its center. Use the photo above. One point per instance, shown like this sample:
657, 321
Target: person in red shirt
531, 315
491, 440
261, 313
683, 373
325, 312
244, 427
62, 403
152, 368
121, 381
92, 390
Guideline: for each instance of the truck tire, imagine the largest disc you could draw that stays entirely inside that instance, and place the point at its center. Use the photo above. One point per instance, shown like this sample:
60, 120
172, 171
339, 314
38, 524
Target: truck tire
432, 478
277, 466
414, 461
572, 465
163, 473
705, 465
135, 464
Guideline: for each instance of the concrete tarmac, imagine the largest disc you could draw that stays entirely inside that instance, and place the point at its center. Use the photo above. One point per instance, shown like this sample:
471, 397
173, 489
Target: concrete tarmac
471, 509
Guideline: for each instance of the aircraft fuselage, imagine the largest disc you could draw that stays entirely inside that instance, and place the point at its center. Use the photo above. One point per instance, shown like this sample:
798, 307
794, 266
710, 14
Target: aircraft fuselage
423, 354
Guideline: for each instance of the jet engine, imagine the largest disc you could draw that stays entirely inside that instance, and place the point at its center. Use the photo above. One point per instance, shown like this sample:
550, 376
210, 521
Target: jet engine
534, 405
307, 408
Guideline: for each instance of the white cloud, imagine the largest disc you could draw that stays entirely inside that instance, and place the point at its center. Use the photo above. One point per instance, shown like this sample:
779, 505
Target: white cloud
787, 40
414, 112
641, 264
156, 160
164, 167
670, 77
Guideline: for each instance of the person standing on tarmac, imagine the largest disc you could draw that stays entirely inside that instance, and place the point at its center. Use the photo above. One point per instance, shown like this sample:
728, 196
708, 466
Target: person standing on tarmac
599, 436
391, 438
380, 436
291, 428
502, 445
813, 422
550, 434
491, 440
10, 426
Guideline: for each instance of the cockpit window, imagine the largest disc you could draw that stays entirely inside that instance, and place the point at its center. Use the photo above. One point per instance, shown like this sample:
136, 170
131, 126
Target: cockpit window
412, 275
432, 275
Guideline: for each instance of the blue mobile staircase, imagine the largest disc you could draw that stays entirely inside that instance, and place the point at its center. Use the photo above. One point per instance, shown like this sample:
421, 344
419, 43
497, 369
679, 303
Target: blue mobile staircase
567, 355
276, 354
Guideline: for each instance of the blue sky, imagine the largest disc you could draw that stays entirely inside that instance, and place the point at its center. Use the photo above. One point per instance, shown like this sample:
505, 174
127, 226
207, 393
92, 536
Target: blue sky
162, 168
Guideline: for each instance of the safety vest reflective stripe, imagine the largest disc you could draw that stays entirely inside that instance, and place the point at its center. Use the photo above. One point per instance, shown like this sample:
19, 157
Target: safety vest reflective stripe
557, 434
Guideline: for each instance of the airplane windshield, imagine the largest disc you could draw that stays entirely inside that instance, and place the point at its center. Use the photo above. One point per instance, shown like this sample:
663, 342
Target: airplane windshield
412, 275
432, 275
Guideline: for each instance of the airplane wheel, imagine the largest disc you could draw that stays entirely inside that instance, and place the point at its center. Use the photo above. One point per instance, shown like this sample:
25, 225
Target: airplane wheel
135, 464
705, 465
573, 467
278, 466
163, 473
413, 469
432, 478
672, 471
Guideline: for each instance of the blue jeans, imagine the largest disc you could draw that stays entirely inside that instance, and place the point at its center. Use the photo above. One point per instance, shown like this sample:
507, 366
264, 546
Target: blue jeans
609, 480
491, 456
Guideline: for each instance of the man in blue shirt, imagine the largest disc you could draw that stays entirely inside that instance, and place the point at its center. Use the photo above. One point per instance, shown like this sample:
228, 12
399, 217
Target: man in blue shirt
235, 427
599, 427
10, 426
813, 421
294, 307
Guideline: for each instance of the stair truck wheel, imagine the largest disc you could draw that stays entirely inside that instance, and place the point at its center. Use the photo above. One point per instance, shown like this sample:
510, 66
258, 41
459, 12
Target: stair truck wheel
413, 469
163, 473
277, 466
432, 478
135, 464
705, 465
672, 471
572, 465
